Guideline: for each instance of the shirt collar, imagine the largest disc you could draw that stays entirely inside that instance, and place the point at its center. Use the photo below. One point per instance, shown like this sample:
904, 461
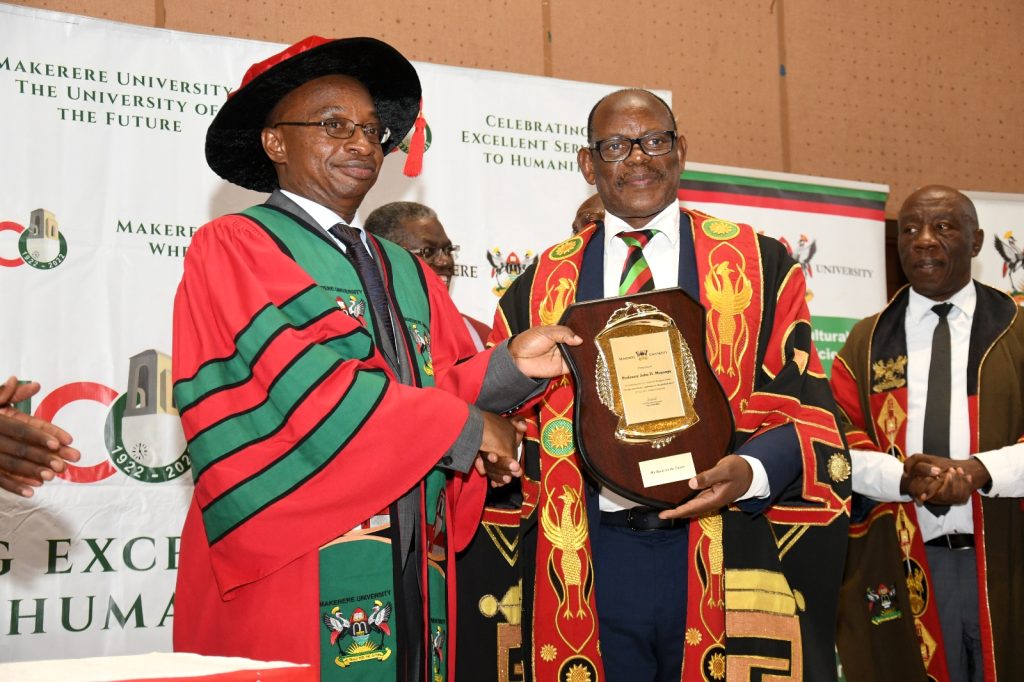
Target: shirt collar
918, 306
666, 222
325, 217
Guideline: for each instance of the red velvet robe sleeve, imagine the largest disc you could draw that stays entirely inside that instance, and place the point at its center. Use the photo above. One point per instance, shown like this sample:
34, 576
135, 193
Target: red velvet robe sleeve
314, 435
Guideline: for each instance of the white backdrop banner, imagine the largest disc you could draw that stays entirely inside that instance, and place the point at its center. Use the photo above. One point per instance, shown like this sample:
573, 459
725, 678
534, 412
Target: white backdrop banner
105, 182
835, 229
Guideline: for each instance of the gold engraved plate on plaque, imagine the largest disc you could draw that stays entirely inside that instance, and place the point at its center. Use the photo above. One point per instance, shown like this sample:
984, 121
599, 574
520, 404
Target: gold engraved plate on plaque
646, 375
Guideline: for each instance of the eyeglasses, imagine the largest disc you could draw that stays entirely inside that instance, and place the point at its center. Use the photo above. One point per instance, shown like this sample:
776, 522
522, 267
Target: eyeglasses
615, 149
342, 128
429, 252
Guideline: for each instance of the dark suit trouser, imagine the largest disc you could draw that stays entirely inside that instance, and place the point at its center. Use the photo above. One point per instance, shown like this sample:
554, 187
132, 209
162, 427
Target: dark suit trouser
641, 602
955, 586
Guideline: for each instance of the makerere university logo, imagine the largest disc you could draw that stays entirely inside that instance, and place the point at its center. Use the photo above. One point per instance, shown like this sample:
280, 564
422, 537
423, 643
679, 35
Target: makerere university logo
41, 245
505, 269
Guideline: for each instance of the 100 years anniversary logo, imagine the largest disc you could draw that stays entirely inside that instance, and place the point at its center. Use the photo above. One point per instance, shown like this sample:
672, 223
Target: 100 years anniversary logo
41, 245
142, 432
143, 441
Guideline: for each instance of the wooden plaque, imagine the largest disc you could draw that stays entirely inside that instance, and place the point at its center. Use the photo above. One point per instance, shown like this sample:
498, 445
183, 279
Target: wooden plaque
649, 412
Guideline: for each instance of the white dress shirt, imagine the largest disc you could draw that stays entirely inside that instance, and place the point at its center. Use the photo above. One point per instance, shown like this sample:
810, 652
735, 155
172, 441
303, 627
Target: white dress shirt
878, 477
326, 218
662, 255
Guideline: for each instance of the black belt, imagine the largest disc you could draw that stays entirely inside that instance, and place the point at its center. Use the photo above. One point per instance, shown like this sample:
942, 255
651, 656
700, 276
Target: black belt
640, 518
953, 541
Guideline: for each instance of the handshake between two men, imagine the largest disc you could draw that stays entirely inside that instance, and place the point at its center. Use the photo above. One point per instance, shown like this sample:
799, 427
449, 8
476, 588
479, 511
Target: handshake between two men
536, 355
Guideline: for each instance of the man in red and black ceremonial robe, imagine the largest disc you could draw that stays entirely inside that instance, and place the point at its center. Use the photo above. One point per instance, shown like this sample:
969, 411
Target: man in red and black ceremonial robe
332, 401
930, 392
739, 582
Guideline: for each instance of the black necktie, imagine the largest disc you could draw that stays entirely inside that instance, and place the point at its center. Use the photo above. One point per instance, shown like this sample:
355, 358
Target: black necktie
936, 410
368, 272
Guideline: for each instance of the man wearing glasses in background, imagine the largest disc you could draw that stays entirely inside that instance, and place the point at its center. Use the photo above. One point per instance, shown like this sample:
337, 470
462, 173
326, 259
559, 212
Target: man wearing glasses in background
416, 228
700, 592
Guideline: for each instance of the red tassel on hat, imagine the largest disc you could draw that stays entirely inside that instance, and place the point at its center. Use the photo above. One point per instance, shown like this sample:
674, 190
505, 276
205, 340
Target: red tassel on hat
417, 145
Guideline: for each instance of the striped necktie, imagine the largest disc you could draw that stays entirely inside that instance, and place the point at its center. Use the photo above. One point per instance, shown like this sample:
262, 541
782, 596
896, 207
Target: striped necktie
636, 273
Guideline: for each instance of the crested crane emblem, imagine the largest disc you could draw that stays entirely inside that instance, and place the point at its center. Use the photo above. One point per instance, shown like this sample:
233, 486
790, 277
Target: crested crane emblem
421, 337
354, 307
803, 253
1013, 260
437, 654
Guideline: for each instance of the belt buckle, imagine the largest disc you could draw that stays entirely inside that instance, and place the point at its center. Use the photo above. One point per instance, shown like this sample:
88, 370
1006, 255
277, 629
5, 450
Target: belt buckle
961, 545
641, 515
955, 542
630, 516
